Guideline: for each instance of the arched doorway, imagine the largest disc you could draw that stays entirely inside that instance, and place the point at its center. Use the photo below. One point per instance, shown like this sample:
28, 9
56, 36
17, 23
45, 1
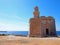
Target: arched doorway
47, 31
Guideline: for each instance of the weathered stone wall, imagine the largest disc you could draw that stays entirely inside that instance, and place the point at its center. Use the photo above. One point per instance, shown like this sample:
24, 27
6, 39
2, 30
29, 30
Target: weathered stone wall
38, 26
34, 27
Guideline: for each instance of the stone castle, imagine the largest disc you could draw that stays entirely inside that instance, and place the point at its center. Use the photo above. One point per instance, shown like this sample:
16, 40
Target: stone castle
41, 26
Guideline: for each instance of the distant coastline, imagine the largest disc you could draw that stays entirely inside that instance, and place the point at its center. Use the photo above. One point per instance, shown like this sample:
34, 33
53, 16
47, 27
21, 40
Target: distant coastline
24, 33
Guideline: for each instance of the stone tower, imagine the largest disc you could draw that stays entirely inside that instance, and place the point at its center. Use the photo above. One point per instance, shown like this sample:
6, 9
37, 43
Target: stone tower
41, 26
36, 12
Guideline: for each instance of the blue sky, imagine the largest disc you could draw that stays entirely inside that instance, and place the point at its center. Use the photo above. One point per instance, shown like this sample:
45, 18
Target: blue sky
15, 14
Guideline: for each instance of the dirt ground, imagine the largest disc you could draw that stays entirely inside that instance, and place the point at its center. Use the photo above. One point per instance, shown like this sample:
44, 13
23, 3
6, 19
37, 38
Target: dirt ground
18, 40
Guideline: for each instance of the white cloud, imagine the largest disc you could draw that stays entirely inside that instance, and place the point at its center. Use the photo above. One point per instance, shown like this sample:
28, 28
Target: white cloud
21, 25
14, 16
57, 26
11, 27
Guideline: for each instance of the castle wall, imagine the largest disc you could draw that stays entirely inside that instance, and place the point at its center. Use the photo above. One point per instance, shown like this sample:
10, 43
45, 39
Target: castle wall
35, 27
38, 26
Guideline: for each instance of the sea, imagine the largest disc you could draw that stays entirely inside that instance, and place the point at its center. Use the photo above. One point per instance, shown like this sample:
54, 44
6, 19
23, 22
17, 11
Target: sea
25, 33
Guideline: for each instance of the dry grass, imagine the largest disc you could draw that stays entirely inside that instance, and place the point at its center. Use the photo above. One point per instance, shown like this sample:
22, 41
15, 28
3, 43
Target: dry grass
17, 40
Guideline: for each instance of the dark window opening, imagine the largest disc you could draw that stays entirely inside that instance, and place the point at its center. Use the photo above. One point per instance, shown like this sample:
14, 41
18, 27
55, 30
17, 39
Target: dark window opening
47, 32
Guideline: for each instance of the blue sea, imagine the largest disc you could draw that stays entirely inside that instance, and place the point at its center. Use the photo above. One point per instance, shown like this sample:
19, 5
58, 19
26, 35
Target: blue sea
20, 32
